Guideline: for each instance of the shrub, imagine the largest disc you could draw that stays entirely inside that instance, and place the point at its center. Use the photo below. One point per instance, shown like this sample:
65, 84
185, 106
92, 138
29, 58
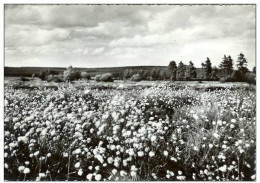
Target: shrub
97, 78
136, 77
106, 77
85, 75
70, 74
45, 73
55, 78
42, 75
23, 79
227, 79
222, 80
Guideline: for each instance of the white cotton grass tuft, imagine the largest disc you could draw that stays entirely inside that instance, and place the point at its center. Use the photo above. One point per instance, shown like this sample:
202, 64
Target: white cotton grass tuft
77, 165
26, 171
98, 177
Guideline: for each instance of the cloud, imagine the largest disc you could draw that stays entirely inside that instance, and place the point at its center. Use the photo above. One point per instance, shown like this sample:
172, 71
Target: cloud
97, 51
102, 35
30, 35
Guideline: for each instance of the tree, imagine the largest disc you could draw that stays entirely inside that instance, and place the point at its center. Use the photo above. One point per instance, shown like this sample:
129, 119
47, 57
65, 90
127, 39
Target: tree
162, 74
191, 71
254, 70
229, 65
173, 68
146, 74
207, 68
214, 73
181, 71
242, 63
226, 65
154, 75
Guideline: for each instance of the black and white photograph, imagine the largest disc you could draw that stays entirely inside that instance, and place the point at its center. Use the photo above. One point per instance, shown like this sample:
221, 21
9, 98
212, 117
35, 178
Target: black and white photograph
129, 92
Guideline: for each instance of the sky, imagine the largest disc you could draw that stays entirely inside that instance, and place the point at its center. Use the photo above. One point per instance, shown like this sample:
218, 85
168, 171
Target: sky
127, 35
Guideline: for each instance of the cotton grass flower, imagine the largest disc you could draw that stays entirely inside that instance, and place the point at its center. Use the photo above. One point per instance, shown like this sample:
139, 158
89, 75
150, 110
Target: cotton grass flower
77, 151
123, 173
223, 168
110, 160
253, 177
98, 177
233, 120
80, 172
77, 165
133, 173
21, 168
151, 153
114, 171
26, 171
195, 148
165, 153
140, 153
89, 176
97, 168
23, 139
42, 175
36, 153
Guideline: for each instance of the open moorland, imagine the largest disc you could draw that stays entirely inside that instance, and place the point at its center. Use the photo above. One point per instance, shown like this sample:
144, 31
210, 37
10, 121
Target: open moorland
148, 130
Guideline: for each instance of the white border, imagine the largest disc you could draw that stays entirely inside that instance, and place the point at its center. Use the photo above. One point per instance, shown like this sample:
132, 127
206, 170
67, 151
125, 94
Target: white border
114, 2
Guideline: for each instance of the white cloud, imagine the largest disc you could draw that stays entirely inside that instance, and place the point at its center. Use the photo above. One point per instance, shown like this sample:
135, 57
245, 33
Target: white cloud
97, 51
127, 35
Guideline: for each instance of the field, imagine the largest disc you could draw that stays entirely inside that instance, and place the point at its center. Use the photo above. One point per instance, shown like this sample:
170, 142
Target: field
129, 131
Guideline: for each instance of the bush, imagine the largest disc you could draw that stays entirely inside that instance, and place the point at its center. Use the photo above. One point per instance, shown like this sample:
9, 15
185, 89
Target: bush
222, 80
97, 78
227, 79
106, 77
70, 74
136, 77
45, 73
85, 75
23, 79
54, 78
42, 75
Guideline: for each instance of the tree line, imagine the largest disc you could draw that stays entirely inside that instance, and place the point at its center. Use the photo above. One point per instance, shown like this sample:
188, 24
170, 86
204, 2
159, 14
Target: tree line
174, 72
224, 72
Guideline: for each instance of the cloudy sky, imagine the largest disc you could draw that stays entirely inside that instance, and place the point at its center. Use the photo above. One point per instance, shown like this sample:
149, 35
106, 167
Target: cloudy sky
124, 35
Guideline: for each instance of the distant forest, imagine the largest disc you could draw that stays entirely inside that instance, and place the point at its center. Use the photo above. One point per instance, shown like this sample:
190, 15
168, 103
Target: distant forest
174, 72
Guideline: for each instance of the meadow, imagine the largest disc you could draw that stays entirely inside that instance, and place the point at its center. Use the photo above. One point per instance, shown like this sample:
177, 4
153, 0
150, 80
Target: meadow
129, 131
